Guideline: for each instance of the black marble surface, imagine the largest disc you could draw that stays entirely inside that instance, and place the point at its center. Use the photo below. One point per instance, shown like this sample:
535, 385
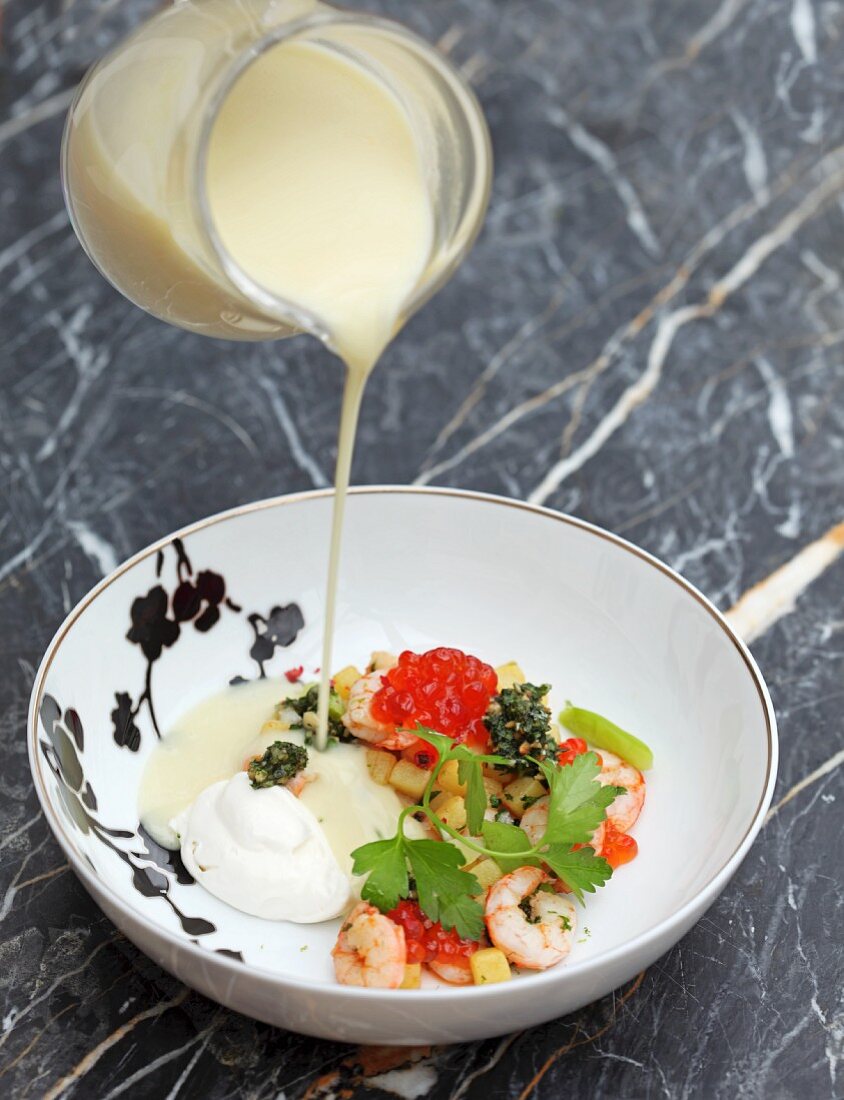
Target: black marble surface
648, 334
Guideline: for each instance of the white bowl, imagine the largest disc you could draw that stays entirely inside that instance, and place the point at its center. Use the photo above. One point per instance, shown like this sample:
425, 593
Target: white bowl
609, 626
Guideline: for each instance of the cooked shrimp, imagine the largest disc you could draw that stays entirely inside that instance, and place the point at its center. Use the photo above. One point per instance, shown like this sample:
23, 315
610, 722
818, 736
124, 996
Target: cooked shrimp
360, 721
535, 819
370, 950
533, 928
622, 813
457, 971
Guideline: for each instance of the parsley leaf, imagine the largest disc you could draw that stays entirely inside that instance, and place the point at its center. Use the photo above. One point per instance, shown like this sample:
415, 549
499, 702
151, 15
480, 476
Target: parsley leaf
578, 802
445, 891
386, 863
470, 773
580, 870
500, 837
576, 807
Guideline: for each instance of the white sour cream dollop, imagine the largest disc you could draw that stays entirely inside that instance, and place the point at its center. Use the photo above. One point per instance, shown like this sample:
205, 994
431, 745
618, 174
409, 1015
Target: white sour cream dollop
261, 851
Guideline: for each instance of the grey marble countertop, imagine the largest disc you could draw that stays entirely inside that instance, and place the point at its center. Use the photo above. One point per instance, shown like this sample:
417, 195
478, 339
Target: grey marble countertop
648, 334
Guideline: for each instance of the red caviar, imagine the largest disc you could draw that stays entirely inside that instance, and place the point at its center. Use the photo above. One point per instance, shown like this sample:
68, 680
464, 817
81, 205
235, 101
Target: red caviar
427, 940
570, 748
421, 754
445, 689
618, 848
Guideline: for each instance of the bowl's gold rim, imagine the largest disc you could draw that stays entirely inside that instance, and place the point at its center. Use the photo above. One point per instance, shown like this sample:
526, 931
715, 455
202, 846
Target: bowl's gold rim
91, 879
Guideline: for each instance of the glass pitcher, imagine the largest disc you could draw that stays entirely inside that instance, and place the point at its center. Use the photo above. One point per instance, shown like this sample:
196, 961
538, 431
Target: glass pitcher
136, 142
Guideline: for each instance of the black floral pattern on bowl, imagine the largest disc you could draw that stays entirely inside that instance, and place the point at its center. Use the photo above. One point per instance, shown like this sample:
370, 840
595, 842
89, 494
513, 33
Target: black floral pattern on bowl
61, 750
158, 617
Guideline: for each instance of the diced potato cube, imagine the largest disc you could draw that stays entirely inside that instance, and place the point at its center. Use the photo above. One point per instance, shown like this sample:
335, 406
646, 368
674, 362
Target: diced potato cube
493, 772
451, 808
493, 787
381, 765
487, 872
412, 976
381, 660
344, 679
521, 794
489, 965
509, 674
448, 779
408, 779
